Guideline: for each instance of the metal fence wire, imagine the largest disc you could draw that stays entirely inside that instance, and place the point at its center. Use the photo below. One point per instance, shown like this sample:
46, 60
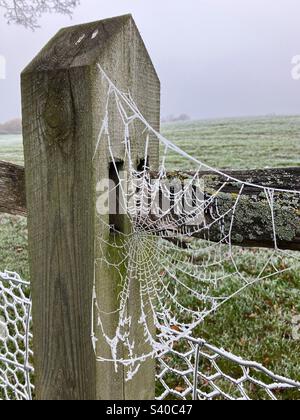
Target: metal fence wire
15, 338
197, 370
191, 370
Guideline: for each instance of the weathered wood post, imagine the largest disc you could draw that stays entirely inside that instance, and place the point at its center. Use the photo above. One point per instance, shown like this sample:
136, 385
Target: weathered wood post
63, 98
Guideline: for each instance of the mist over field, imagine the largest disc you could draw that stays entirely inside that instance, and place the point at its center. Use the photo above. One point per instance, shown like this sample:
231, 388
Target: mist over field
217, 58
232, 143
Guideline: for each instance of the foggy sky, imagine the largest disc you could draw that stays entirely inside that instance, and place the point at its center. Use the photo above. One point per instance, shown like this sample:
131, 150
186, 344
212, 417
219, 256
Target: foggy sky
215, 58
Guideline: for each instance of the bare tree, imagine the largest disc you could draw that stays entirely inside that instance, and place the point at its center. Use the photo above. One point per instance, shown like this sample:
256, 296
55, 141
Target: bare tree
27, 12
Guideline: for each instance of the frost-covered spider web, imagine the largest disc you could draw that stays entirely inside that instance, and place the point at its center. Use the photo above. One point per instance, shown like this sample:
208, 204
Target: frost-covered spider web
172, 247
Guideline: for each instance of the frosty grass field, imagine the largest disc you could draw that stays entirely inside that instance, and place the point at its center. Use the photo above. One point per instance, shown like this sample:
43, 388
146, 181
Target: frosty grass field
258, 324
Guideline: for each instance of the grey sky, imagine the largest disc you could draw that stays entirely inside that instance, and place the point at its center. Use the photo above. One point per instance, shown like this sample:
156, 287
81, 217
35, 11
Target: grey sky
215, 58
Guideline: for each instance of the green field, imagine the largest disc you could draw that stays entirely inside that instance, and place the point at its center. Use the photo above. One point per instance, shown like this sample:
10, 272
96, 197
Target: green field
13, 234
238, 143
258, 324
11, 149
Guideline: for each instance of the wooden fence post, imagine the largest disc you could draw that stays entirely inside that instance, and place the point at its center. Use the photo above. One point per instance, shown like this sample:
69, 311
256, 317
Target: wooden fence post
63, 99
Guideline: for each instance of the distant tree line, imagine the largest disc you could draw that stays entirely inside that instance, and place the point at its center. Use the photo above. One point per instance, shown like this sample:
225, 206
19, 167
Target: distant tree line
11, 127
15, 126
174, 118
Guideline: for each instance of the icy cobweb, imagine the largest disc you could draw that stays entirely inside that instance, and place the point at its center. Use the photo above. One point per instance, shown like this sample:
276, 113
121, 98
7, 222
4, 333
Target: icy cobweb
175, 250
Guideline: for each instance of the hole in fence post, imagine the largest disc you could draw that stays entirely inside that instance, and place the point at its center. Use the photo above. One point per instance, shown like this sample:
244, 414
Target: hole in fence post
116, 206
144, 202
143, 165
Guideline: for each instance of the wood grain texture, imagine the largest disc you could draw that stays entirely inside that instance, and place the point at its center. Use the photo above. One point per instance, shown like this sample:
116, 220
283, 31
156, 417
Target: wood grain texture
60, 224
12, 189
63, 99
128, 64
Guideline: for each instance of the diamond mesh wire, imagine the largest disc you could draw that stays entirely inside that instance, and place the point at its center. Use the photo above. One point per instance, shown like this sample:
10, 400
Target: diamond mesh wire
16, 371
196, 370
191, 370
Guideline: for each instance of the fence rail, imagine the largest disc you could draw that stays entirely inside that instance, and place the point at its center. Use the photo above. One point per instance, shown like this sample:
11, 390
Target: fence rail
12, 189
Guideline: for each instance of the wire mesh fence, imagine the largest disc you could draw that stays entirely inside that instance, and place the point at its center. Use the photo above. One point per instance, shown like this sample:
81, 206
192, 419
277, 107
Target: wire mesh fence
196, 370
192, 369
16, 371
